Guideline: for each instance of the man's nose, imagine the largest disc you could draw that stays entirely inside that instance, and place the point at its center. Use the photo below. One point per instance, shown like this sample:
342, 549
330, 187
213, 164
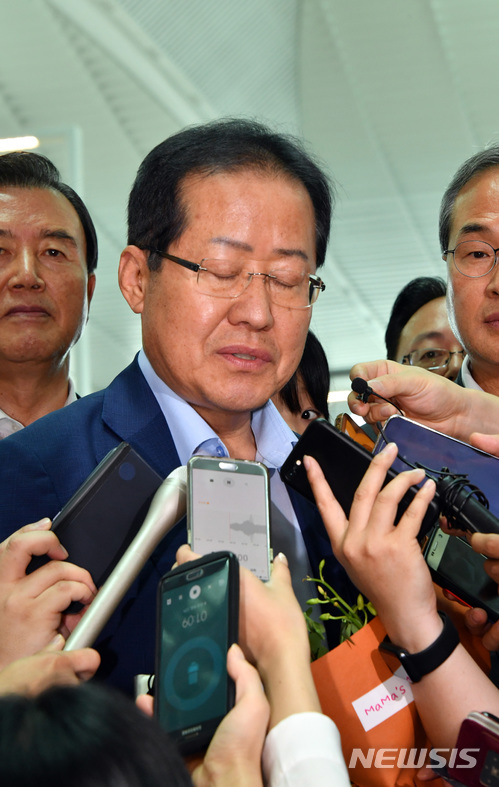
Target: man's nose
26, 271
253, 305
454, 365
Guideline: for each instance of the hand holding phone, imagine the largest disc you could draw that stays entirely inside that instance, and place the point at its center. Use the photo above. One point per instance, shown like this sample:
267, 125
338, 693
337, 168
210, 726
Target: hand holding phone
198, 605
383, 561
343, 462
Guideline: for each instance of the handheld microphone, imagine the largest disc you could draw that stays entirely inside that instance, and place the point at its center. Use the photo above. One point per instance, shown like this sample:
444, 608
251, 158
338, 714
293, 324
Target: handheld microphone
465, 506
167, 507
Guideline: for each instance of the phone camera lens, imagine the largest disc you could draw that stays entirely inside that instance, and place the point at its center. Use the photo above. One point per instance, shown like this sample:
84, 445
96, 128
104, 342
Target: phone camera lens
195, 592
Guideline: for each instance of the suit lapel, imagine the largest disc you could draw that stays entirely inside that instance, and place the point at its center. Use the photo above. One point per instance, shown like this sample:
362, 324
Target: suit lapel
131, 411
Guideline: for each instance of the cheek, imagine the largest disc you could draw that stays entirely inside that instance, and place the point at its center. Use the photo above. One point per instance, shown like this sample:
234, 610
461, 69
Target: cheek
291, 339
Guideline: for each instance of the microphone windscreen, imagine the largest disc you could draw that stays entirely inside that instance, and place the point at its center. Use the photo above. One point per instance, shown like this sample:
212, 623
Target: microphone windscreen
359, 385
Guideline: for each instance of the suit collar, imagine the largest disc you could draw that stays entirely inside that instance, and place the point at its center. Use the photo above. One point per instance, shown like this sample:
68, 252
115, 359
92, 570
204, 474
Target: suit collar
143, 424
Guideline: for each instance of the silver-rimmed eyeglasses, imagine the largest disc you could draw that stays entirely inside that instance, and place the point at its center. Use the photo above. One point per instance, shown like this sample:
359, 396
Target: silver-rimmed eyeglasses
435, 359
473, 258
294, 289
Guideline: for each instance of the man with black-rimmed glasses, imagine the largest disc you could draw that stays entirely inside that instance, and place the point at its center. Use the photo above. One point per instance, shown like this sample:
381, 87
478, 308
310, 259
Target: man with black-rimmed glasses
228, 223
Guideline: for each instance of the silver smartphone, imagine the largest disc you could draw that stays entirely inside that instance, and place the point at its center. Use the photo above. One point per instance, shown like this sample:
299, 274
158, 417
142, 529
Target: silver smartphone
228, 508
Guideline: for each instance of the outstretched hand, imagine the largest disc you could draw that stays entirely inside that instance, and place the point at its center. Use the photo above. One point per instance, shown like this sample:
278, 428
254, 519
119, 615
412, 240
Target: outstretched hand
383, 561
425, 397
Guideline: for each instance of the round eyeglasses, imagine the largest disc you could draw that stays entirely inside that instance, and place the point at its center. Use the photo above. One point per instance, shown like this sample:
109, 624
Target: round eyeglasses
435, 359
473, 258
294, 289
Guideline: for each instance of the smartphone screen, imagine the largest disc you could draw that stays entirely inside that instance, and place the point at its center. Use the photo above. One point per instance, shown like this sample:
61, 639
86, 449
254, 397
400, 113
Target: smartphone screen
197, 623
457, 567
228, 508
436, 450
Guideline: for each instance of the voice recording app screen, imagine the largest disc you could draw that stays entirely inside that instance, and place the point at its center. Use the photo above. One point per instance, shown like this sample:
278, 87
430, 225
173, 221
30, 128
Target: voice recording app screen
229, 511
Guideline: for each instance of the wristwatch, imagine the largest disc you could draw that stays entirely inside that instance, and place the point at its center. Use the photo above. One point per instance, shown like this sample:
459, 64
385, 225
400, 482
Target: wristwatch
417, 665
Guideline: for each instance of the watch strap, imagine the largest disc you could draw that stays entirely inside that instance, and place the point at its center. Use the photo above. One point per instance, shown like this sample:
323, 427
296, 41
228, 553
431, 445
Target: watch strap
417, 665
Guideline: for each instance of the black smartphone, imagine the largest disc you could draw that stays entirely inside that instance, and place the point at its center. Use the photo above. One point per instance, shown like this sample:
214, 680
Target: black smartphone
455, 566
100, 520
228, 507
198, 611
343, 462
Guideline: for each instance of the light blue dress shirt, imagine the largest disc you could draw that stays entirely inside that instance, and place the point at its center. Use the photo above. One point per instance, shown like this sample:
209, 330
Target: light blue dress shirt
274, 440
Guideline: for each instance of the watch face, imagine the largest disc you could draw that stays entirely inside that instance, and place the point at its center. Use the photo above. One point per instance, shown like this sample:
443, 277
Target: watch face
393, 656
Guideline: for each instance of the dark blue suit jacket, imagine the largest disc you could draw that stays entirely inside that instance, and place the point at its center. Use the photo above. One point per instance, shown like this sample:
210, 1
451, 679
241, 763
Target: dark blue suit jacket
44, 464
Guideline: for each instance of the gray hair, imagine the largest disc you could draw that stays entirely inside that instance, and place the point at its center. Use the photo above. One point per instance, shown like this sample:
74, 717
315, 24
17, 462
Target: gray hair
485, 159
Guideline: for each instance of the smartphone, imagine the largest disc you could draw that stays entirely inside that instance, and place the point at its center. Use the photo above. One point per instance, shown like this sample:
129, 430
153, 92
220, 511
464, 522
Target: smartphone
435, 450
198, 606
455, 566
228, 507
343, 462
478, 740
100, 520
345, 423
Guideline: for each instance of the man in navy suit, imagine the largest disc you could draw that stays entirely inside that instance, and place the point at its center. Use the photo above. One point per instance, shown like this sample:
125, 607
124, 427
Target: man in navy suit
227, 225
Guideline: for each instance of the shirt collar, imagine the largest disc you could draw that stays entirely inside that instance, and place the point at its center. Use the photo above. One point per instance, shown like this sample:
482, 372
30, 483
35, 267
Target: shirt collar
466, 375
274, 439
9, 425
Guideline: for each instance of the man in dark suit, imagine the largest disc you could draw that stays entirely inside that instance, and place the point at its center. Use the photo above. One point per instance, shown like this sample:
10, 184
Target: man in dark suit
227, 225
48, 255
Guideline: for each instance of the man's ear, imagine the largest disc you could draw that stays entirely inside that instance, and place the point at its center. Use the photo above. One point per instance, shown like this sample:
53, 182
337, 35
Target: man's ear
133, 277
90, 287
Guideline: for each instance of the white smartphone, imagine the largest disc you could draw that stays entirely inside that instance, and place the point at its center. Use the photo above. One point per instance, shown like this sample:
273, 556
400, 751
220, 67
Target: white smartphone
228, 508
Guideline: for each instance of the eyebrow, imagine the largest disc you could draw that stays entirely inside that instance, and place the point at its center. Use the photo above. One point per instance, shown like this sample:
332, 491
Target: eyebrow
427, 335
471, 228
59, 234
242, 246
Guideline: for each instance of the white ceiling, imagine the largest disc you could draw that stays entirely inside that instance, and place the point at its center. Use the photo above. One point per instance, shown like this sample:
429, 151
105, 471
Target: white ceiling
392, 95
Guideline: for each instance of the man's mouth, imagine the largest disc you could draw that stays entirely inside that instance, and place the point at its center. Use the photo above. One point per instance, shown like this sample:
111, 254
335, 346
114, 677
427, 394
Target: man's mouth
27, 310
244, 356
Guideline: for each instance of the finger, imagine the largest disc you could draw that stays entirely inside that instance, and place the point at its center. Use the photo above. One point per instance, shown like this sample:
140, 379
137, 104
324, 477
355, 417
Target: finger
485, 442
450, 529
476, 621
244, 675
486, 543
490, 639
145, 703
369, 488
185, 554
491, 568
84, 661
54, 572
330, 510
56, 644
411, 519
55, 599
42, 524
20, 547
